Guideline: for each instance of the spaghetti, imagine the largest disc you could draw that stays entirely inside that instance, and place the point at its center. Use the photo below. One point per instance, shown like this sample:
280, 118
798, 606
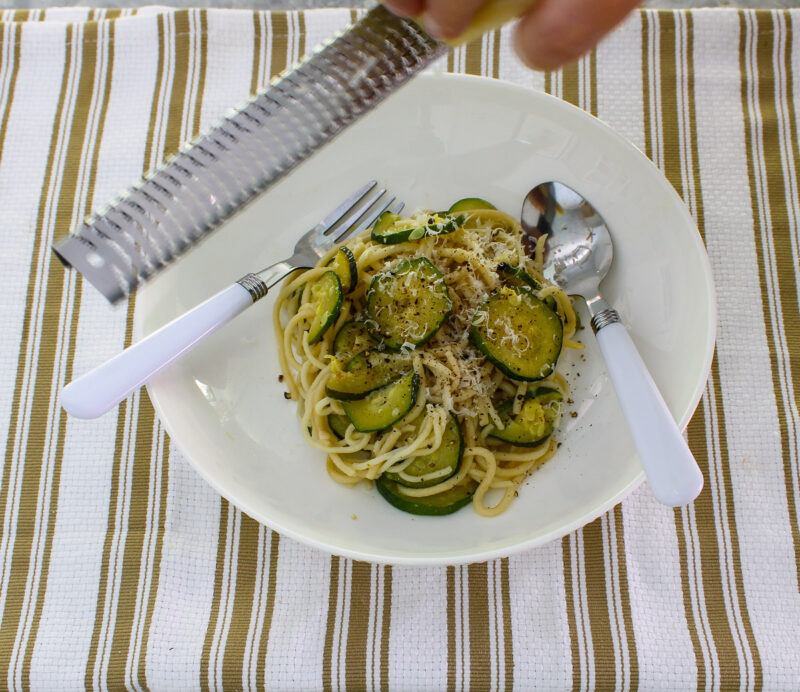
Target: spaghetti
461, 392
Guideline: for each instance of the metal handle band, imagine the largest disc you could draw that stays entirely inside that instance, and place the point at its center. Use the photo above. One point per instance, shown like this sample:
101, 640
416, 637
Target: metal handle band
604, 318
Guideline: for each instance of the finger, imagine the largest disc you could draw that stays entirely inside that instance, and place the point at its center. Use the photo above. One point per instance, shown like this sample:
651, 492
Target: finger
406, 8
449, 18
556, 32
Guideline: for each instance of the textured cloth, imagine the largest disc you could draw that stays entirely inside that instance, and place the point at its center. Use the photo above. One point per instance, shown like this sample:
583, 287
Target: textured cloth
120, 567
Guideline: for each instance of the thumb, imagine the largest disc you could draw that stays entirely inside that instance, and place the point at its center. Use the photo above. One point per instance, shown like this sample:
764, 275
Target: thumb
555, 32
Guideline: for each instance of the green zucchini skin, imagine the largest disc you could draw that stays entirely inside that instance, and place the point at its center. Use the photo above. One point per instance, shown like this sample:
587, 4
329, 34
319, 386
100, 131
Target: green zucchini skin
393, 305
440, 504
346, 268
470, 204
326, 294
383, 407
536, 421
364, 373
527, 316
338, 424
352, 338
391, 229
447, 456
513, 275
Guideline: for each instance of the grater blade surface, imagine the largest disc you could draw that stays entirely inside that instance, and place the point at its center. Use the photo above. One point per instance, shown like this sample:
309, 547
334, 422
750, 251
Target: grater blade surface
194, 191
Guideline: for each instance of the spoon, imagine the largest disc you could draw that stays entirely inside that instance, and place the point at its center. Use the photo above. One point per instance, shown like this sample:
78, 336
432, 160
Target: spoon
577, 257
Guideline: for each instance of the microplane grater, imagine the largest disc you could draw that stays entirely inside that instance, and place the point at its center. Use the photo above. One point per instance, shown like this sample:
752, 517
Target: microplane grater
193, 192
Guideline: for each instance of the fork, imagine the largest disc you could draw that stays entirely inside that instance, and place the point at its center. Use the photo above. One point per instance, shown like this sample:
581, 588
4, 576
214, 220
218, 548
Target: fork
99, 390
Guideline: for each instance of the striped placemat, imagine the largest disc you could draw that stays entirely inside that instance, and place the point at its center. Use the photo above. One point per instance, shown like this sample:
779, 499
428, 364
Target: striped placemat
120, 568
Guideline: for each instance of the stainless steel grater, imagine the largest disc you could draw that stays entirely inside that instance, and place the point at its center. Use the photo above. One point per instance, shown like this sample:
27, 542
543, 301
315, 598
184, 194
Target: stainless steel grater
192, 193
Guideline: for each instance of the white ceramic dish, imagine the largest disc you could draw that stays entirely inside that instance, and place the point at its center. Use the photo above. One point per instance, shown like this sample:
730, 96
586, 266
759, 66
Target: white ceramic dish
439, 139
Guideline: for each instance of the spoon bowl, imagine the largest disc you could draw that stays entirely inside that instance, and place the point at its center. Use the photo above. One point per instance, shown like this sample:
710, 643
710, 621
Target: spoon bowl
577, 256
579, 251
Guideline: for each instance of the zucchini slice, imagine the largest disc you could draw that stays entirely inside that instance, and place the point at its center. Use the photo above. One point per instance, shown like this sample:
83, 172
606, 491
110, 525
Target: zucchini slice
518, 333
408, 304
470, 204
352, 338
513, 275
326, 296
364, 373
344, 264
385, 406
338, 424
444, 461
391, 229
440, 504
537, 419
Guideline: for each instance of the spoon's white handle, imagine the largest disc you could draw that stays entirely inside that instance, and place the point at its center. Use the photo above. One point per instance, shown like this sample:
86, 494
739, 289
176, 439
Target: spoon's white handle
671, 470
99, 390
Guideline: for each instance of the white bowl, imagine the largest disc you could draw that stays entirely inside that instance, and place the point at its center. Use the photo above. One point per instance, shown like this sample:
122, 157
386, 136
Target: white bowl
437, 140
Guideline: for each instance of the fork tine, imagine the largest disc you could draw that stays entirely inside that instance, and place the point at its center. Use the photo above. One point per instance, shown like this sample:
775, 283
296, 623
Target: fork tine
331, 219
356, 212
369, 218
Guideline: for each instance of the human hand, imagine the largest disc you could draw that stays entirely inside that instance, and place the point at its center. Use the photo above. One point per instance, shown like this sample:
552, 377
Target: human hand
549, 35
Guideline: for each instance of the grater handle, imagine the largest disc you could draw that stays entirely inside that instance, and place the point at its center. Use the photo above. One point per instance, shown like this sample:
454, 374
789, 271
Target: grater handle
99, 390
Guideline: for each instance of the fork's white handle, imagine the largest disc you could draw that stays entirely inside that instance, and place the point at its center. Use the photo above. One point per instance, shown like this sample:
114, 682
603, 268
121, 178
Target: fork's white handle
104, 387
671, 470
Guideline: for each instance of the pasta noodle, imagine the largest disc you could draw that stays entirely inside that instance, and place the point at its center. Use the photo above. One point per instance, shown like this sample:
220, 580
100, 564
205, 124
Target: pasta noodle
454, 375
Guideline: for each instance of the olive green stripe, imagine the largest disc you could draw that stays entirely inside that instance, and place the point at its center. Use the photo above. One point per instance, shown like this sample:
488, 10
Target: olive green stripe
257, 57
508, 631
201, 79
472, 61
330, 627
123, 411
16, 34
786, 285
156, 569
206, 663
386, 624
625, 598
684, 541
106, 79
451, 628
140, 502
479, 637
269, 610
792, 323
280, 43
40, 389
708, 541
122, 442
496, 38
571, 609
570, 89
598, 606
730, 513
244, 592
301, 27
361, 601
132, 538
